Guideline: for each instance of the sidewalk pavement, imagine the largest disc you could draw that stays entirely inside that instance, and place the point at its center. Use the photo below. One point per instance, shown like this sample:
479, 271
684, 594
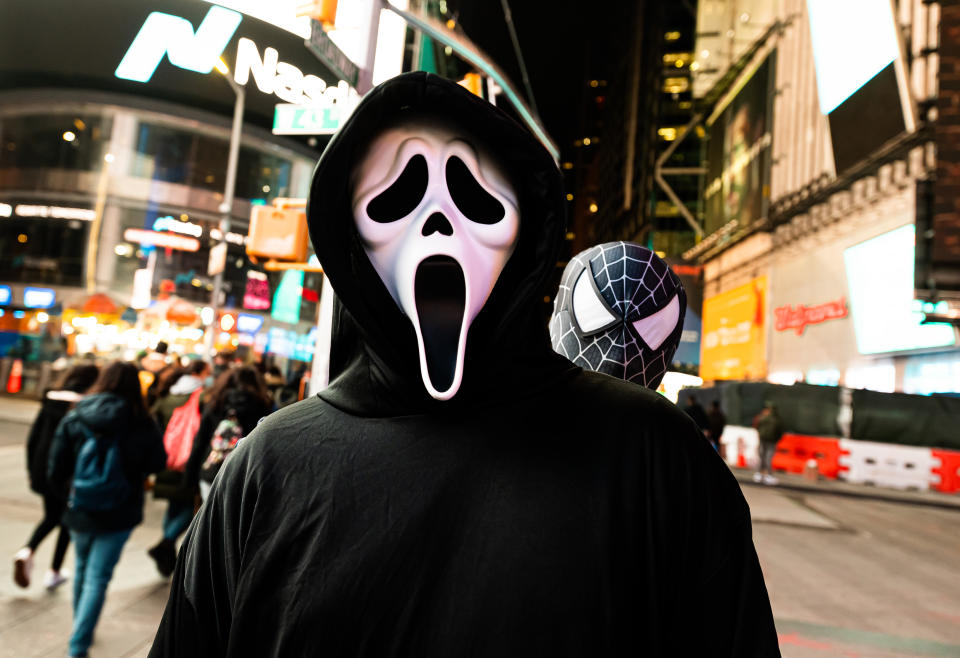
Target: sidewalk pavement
793, 482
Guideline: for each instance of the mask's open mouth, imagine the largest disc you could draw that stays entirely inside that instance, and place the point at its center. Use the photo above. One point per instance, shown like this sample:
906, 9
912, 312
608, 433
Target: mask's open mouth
440, 293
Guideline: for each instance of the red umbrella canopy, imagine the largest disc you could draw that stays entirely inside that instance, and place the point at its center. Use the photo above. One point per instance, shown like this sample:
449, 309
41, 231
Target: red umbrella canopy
182, 312
99, 303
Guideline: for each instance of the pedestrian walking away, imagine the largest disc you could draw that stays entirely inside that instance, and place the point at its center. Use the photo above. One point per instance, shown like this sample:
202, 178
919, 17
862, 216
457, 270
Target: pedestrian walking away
55, 405
696, 411
102, 451
716, 422
237, 401
769, 430
177, 412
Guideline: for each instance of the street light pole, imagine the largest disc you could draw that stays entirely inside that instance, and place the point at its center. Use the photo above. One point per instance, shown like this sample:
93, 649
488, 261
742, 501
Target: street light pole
227, 206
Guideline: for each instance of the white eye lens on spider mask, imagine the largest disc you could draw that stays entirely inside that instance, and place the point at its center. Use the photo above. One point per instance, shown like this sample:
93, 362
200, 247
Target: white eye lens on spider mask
438, 220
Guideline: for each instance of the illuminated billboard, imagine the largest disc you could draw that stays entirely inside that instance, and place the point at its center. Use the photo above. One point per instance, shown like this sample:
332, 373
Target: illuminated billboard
880, 281
734, 339
860, 79
738, 155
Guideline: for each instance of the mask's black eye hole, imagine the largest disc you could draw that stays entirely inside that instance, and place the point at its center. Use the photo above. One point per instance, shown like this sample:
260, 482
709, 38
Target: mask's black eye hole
469, 196
401, 198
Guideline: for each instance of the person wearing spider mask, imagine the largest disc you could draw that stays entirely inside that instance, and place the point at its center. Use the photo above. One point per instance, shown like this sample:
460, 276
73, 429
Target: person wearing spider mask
619, 311
460, 489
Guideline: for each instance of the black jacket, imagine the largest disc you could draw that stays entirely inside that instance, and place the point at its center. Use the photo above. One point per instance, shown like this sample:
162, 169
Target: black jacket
542, 511
249, 408
141, 449
54, 407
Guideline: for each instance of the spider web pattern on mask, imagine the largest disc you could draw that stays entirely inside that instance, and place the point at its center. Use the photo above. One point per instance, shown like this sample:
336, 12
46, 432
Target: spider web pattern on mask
616, 351
634, 287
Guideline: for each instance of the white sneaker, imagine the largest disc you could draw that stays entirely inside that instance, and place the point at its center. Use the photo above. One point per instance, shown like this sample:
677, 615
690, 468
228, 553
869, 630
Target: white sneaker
55, 579
758, 477
22, 566
769, 479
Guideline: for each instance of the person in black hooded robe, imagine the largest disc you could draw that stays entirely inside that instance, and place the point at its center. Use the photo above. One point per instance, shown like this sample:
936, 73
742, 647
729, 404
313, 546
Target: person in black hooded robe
538, 510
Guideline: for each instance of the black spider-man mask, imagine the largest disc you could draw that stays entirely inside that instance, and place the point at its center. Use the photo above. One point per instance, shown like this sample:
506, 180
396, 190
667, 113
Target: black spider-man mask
619, 311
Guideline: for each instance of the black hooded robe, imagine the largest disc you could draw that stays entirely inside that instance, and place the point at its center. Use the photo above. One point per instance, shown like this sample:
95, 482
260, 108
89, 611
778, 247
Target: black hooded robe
543, 511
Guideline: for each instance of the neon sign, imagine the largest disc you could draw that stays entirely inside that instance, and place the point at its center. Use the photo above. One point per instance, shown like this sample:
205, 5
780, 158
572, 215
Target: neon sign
798, 317
157, 239
200, 51
165, 34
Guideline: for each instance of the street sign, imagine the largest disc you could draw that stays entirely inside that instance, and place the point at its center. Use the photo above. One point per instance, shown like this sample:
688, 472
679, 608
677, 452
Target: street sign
328, 53
291, 119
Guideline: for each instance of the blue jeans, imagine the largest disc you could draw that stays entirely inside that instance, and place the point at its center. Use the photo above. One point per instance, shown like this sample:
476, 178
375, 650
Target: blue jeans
96, 556
176, 519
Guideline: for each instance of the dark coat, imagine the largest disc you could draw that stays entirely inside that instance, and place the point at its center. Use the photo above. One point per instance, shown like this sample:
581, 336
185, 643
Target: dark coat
141, 450
541, 511
54, 407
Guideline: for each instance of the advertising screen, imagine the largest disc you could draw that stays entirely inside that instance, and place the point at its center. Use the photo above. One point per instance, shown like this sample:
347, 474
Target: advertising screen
257, 294
856, 54
286, 299
734, 333
738, 155
38, 297
880, 281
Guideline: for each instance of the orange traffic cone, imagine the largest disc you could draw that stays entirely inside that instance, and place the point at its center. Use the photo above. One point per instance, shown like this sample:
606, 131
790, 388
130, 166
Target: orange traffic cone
15, 380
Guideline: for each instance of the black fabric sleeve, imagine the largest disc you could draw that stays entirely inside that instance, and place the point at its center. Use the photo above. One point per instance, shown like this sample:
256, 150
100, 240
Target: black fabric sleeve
733, 608
720, 584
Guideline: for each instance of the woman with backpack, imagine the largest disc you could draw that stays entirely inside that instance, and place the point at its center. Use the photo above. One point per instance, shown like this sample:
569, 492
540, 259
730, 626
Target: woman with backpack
237, 402
177, 412
102, 451
56, 403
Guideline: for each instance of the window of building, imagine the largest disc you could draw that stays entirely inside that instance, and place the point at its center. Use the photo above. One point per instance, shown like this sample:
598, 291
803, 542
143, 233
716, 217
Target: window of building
43, 250
176, 156
65, 141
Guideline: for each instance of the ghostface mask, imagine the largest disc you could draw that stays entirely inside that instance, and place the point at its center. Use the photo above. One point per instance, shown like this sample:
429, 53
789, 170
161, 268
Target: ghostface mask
439, 220
619, 311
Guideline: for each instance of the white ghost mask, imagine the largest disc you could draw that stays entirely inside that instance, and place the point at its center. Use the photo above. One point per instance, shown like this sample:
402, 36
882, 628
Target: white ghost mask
438, 219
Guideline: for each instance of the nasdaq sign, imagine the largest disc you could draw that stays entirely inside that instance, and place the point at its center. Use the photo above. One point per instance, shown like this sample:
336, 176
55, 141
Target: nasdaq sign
165, 34
200, 50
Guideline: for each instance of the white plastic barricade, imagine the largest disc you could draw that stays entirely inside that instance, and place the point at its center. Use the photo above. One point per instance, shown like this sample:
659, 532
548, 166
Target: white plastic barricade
887, 465
740, 446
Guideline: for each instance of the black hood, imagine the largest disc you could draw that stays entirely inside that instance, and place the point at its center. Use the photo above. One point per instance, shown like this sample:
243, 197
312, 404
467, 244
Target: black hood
374, 361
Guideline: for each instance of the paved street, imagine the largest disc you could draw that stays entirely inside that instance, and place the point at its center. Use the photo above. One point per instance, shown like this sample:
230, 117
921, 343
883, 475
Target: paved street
847, 576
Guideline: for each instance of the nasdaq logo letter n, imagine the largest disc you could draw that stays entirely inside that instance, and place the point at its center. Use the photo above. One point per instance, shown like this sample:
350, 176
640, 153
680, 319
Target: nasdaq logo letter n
164, 34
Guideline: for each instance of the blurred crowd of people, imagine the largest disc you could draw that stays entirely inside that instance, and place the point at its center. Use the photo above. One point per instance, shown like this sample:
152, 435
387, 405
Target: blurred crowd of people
106, 434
